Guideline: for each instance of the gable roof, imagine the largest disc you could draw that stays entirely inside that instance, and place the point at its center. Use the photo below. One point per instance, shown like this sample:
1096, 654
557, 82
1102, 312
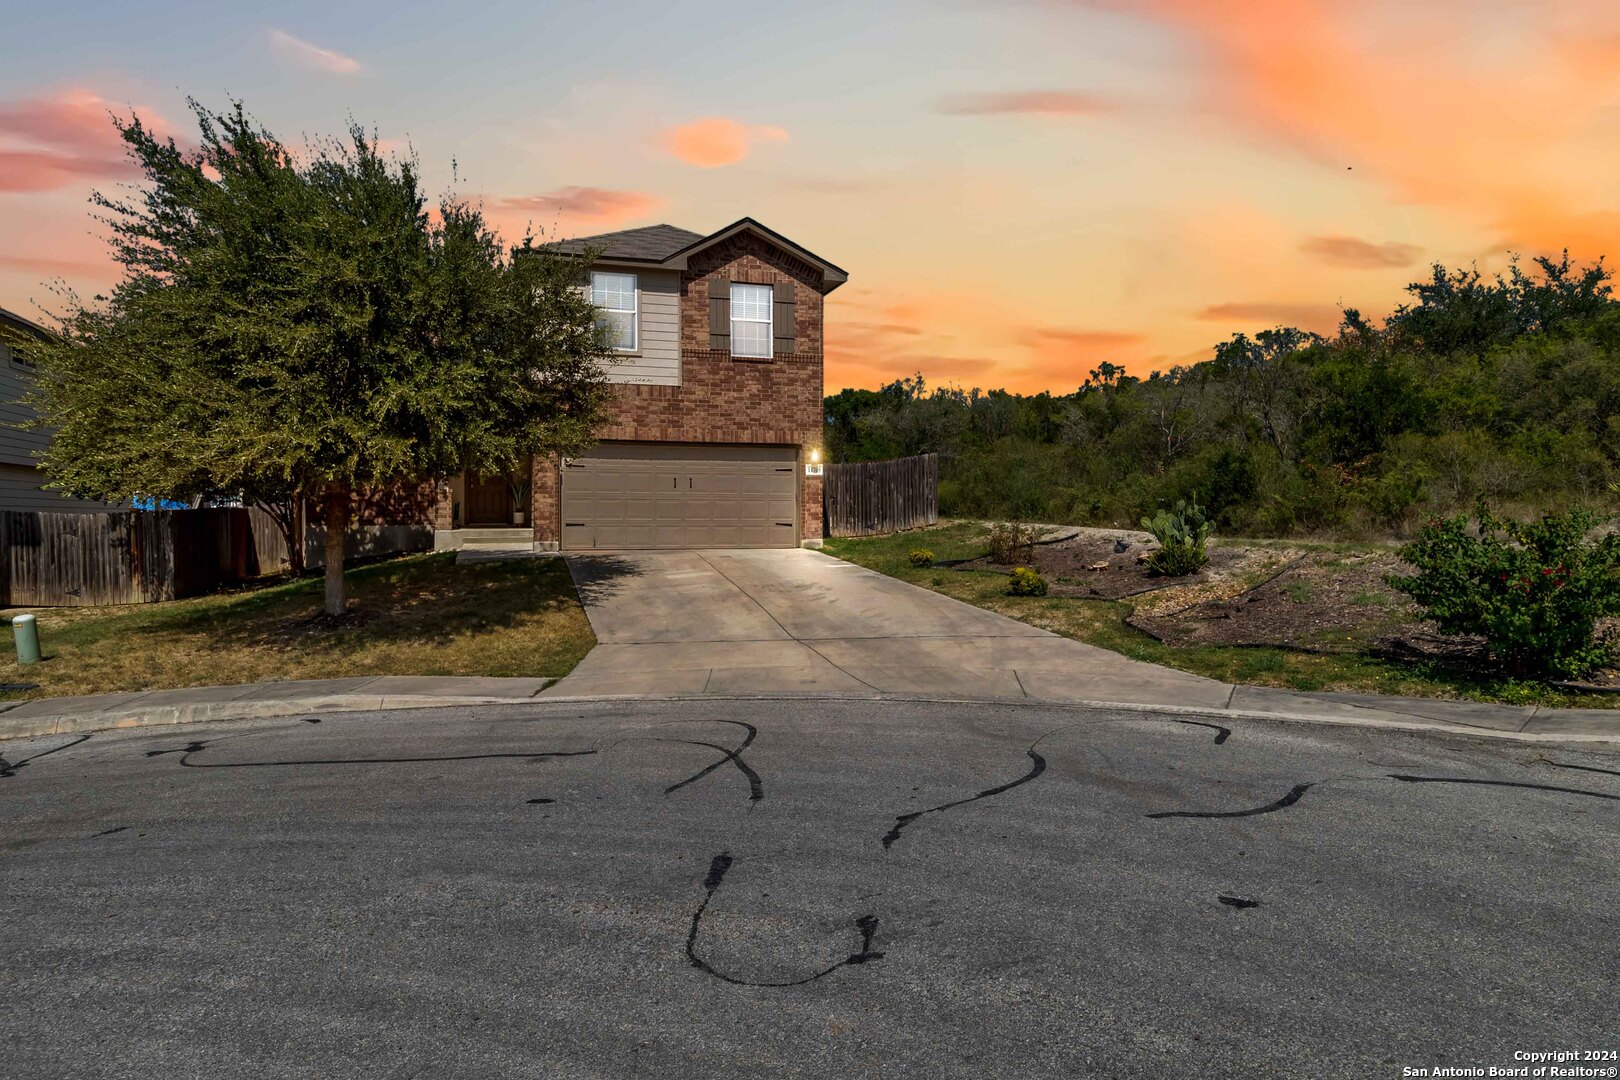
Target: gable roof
669, 247
19, 323
652, 243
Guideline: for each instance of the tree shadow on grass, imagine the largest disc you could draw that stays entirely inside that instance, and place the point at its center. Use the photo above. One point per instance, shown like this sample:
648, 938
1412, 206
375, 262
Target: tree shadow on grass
427, 600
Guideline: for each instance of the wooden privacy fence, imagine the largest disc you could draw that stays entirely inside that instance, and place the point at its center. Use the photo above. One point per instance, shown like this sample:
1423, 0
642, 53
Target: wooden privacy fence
869, 497
130, 556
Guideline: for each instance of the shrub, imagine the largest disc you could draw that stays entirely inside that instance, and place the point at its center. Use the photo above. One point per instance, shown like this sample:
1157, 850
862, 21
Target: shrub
1026, 582
1011, 543
921, 558
1181, 533
1533, 591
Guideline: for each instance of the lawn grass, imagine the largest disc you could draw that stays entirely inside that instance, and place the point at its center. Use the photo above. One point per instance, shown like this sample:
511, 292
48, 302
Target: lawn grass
1102, 623
417, 615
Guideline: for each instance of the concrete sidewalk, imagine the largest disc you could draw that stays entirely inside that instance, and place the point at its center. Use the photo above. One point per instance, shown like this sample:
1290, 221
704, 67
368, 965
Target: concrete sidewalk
97, 712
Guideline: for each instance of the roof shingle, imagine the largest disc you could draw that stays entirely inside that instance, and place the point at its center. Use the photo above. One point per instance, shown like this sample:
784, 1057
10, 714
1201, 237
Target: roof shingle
652, 243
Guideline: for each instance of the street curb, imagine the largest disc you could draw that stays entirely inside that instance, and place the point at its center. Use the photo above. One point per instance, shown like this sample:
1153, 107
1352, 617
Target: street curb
204, 712
166, 716
1416, 725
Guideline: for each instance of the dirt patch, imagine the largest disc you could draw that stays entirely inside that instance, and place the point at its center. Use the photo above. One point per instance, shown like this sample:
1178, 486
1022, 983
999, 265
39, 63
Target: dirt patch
319, 624
1109, 564
1315, 601
1266, 595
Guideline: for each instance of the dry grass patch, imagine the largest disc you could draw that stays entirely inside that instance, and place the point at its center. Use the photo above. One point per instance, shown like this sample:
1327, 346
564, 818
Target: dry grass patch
418, 615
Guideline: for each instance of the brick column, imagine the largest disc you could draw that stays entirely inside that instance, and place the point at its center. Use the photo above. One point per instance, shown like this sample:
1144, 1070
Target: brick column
545, 503
810, 510
439, 516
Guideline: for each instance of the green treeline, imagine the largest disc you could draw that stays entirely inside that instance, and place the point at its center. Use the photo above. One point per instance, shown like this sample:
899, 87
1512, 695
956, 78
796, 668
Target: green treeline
1506, 387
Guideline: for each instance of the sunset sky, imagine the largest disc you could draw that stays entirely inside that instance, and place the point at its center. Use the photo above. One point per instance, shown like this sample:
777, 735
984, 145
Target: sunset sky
1018, 190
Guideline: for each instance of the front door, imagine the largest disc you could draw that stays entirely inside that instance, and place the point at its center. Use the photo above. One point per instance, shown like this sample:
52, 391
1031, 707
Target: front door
489, 500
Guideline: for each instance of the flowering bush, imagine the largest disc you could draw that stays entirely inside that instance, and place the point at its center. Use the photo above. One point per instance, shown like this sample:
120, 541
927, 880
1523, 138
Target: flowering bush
1533, 591
921, 558
1026, 582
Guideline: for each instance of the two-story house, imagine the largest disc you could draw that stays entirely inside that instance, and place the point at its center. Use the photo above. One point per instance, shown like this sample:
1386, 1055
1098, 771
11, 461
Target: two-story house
715, 439
21, 479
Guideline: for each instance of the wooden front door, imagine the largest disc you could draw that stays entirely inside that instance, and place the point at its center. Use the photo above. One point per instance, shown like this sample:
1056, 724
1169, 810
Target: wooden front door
489, 500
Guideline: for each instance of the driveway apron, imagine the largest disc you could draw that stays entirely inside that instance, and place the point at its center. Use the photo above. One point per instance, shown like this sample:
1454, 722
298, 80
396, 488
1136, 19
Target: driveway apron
798, 621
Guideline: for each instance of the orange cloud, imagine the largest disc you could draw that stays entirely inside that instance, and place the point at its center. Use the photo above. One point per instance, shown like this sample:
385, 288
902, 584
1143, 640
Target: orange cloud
51, 143
52, 267
1353, 254
52, 241
1063, 357
1263, 315
1494, 113
870, 344
1039, 337
1026, 102
584, 206
309, 55
715, 141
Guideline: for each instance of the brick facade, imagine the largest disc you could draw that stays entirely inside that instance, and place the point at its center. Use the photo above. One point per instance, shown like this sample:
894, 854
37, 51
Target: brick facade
403, 503
725, 399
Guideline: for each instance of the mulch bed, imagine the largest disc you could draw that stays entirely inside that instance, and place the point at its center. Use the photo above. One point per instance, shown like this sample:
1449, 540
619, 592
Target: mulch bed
1104, 564
1314, 602
1272, 596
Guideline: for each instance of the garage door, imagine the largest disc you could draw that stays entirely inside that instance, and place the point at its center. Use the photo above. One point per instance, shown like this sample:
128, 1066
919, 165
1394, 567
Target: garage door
641, 495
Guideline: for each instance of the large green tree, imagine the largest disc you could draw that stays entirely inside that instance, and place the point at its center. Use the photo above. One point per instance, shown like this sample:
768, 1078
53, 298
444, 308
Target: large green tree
293, 327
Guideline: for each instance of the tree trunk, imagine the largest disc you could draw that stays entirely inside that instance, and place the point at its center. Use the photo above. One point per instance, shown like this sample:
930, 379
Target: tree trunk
337, 527
295, 535
289, 519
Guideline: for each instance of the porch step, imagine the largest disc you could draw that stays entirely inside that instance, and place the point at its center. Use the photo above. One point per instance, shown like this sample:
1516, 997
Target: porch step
496, 534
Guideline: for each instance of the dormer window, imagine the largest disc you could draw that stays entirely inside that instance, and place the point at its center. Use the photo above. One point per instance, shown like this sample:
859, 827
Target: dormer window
751, 320
615, 297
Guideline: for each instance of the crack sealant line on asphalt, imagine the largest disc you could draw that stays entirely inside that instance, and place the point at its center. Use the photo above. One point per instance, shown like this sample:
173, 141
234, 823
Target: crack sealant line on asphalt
791, 636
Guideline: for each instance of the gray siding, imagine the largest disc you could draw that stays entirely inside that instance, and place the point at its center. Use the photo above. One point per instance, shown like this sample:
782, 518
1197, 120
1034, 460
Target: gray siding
17, 447
20, 490
657, 361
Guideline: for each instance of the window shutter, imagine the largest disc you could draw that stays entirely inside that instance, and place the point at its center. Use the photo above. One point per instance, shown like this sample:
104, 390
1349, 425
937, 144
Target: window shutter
782, 319
720, 313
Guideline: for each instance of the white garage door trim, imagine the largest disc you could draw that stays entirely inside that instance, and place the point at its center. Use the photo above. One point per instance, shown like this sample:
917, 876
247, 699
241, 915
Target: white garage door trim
666, 495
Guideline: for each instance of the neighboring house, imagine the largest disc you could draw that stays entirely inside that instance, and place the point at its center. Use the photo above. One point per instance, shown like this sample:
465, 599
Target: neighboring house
715, 440
21, 479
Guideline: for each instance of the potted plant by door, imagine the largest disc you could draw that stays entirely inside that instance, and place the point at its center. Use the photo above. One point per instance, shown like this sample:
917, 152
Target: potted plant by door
520, 499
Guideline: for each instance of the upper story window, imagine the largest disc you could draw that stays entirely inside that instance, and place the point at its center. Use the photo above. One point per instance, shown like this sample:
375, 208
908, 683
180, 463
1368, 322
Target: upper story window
15, 355
615, 295
751, 331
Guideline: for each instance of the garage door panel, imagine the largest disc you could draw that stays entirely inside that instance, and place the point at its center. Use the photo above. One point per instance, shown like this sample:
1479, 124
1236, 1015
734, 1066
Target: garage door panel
668, 496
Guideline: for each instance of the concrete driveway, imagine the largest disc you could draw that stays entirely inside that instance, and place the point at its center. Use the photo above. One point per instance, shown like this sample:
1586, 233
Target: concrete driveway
797, 621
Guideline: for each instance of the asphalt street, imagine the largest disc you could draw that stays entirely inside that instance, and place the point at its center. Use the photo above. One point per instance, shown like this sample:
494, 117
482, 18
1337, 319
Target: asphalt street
801, 888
